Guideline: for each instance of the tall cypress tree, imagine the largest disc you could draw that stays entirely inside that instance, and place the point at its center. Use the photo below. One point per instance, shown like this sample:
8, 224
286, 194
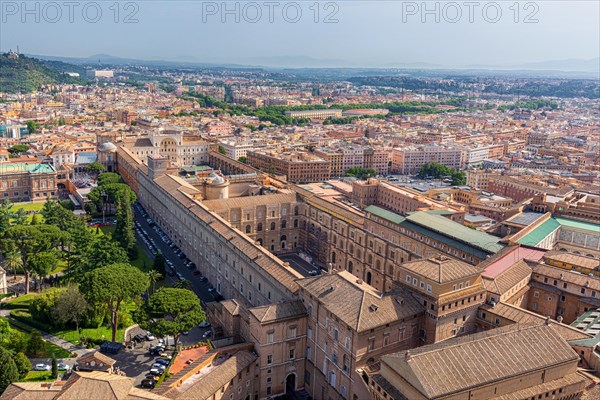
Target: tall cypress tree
124, 232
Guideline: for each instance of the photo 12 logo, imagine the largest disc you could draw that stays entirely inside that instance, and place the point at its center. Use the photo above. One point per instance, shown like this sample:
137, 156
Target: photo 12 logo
270, 12
53, 12
453, 12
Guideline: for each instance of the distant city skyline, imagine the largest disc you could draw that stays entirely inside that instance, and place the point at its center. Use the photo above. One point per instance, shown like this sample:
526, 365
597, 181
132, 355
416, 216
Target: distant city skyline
374, 34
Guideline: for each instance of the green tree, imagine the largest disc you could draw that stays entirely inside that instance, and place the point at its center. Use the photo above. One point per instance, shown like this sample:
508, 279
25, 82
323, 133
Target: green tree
18, 148
222, 150
20, 217
9, 372
112, 285
55, 214
54, 373
101, 251
32, 126
41, 307
5, 215
171, 311
153, 277
30, 240
13, 261
36, 219
243, 159
361, 173
11, 339
109, 177
95, 168
35, 345
124, 232
70, 307
43, 263
159, 263
23, 364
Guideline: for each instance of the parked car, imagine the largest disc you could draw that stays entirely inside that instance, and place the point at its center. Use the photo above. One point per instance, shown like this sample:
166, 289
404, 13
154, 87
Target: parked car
202, 279
152, 377
149, 383
196, 272
149, 336
314, 272
207, 334
185, 333
162, 361
204, 324
42, 367
156, 371
157, 350
159, 366
63, 367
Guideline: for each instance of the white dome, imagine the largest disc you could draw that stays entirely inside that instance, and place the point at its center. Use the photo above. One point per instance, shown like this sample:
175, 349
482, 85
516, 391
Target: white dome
218, 180
107, 147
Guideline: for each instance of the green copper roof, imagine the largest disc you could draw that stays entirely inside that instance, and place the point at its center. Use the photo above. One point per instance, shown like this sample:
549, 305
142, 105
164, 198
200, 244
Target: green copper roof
21, 167
572, 223
456, 231
541, 232
538, 234
385, 214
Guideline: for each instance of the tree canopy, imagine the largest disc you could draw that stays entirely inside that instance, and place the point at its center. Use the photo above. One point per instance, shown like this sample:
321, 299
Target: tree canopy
9, 372
361, 173
171, 311
112, 285
436, 170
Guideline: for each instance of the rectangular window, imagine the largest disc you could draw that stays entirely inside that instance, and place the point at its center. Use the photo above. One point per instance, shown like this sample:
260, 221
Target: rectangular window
269, 359
269, 337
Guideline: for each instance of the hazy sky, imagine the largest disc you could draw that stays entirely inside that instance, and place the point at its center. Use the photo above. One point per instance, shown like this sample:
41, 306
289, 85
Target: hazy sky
367, 33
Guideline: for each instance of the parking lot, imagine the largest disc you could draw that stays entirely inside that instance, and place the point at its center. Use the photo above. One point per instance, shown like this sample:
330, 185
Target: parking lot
152, 239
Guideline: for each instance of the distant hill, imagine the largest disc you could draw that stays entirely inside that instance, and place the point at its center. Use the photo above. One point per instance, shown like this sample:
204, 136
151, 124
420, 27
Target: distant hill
25, 74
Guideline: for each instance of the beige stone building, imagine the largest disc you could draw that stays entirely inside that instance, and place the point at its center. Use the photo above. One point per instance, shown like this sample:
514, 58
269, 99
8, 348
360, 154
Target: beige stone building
517, 362
351, 325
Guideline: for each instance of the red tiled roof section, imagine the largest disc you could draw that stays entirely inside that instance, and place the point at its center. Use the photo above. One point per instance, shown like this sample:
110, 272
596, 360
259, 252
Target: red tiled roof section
186, 356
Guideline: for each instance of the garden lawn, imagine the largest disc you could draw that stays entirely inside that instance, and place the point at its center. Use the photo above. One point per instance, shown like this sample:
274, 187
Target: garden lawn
20, 310
39, 376
27, 206
21, 302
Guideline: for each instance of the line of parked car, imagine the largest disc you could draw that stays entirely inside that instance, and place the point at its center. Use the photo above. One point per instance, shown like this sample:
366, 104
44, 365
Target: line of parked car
46, 367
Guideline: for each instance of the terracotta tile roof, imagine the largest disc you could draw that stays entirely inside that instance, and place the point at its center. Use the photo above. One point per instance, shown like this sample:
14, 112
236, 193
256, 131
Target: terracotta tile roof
508, 278
593, 283
522, 316
95, 385
278, 311
460, 364
30, 391
441, 269
573, 259
97, 357
218, 376
573, 379
141, 394
357, 304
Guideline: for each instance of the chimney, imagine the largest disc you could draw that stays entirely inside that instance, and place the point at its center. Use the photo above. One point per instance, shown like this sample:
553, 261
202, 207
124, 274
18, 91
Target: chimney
547, 320
407, 356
